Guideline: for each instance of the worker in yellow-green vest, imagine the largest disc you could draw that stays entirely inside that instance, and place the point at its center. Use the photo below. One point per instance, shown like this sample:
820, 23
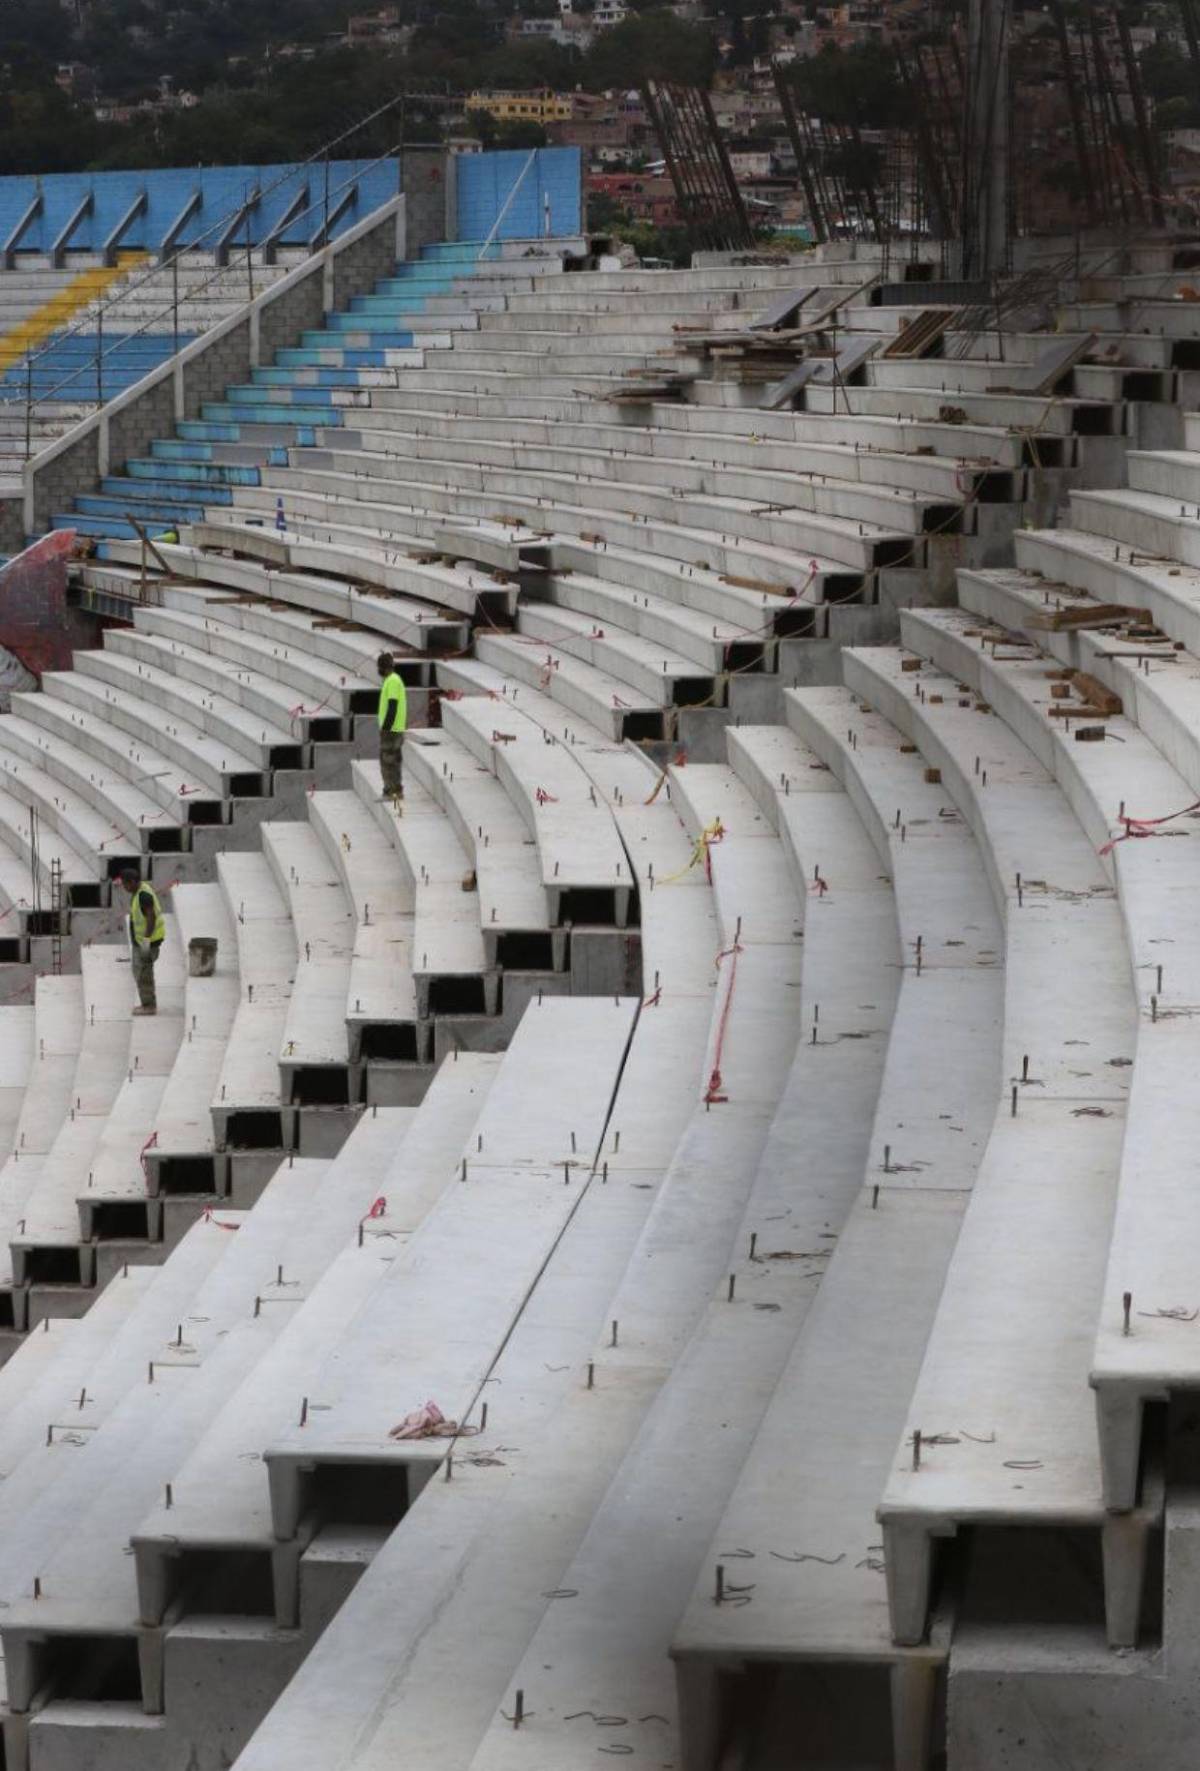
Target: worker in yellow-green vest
393, 718
147, 931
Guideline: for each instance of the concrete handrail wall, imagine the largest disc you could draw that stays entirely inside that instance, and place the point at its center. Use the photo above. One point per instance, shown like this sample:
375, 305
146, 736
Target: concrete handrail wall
350, 265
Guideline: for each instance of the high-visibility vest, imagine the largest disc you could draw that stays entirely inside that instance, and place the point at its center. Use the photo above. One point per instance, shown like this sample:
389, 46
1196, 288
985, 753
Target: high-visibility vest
153, 929
392, 689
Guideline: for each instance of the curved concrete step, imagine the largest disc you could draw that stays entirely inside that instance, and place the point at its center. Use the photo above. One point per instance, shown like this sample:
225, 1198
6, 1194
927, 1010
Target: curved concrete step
1030, 1379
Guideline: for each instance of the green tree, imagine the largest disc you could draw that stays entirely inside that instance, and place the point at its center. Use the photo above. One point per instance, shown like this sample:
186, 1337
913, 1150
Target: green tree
650, 45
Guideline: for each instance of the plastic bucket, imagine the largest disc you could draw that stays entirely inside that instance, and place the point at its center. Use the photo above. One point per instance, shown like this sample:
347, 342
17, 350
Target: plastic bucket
202, 956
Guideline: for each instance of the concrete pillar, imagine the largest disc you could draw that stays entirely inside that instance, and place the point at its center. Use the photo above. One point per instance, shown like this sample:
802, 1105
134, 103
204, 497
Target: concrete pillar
986, 138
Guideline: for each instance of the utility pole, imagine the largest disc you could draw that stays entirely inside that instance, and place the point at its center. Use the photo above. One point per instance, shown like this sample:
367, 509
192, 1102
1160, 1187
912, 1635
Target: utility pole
986, 129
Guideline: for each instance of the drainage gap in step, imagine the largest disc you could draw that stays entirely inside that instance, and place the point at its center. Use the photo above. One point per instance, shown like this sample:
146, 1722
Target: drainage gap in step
186, 1174
321, 1085
120, 1220
225, 1583
525, 951
254, 1129
89, 1669
390, 1041
52, 1266
356, 1494
456, 996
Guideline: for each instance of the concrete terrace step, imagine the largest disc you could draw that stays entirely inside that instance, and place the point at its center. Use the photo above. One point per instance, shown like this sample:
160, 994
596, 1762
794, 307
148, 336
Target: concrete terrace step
835, 1612
1146, 1363
381, 999
404, 1159
246, 1105
585, 871
1048, 1423
449, 962
513, 1191
183, 1158
492, 832
314, 1037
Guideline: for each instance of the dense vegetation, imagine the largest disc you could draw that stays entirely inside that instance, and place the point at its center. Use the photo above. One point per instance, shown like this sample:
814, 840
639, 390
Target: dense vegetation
258, 104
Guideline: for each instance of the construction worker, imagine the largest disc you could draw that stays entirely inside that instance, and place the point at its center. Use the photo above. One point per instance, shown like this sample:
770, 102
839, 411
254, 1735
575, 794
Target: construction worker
147, 931
393, 718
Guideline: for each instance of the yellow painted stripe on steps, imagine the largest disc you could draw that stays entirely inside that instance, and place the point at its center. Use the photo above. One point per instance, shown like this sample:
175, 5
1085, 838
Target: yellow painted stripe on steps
70, 300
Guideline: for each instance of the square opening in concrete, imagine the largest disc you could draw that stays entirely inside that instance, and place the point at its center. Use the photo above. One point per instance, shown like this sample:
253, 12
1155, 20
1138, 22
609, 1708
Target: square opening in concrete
205, 811
89, 1669
321, 1085
247, 786
13, 952
7, 1320
328, 730
643, 727
52, 1266
356, 1494
186, 1174
225, 1583
287, 756
592, 904
83, 897
120, 1220
456, 996
167, 840
842, 1715
525, 950
1035, 1577
390, 1041
47, 922
254, 1129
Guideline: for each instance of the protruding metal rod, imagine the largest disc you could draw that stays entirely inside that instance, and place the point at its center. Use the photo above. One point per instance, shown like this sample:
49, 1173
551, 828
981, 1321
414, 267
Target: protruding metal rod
1126, 1306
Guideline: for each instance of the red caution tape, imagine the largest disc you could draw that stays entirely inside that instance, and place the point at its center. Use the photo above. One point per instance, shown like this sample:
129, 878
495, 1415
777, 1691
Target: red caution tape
1139, 827
714, 1093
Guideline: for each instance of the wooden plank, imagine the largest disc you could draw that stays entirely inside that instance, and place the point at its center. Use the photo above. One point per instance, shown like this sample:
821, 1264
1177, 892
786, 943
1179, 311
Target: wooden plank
1078, 619
782, 309
790, 386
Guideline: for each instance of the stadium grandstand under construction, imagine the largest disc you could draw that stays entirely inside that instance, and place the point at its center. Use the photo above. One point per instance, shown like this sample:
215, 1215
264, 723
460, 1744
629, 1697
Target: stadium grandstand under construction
656, 1215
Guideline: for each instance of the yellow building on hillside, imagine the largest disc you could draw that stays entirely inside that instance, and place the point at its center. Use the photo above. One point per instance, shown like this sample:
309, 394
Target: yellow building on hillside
539, 106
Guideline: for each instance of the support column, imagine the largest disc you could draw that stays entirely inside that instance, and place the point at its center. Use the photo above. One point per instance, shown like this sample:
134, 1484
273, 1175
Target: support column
986, 129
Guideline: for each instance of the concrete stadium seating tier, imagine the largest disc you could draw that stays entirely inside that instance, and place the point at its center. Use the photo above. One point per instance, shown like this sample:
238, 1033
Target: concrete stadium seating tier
738, 1104
804, 1590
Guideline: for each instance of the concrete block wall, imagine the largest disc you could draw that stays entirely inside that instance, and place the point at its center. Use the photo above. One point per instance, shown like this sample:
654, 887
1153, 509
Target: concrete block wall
428, 182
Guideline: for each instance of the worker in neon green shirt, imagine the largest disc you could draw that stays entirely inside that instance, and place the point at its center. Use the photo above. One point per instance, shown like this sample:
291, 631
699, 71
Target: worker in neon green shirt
393, 718
147, 931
